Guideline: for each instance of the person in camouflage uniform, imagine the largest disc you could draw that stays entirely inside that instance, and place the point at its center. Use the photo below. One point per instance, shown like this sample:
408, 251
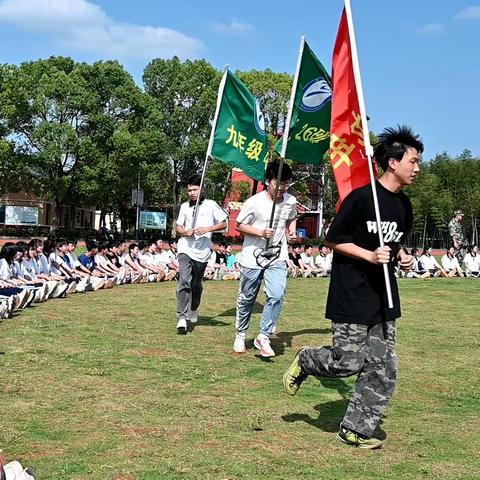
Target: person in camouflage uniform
363, 326
455, 230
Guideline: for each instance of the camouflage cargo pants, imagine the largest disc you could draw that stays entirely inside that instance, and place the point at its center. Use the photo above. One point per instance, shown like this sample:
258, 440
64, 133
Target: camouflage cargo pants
366, 350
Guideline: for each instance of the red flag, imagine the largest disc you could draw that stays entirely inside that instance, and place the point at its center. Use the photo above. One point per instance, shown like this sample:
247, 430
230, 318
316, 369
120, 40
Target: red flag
347, 147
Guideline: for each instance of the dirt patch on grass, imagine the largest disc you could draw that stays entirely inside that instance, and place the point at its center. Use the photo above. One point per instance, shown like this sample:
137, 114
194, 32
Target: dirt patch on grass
153, 352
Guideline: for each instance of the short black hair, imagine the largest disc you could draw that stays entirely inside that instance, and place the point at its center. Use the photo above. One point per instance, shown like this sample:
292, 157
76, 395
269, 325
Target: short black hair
142, 244
91, 244
271, 172
194, 179
35, 242
393, 143
9, 250
307, 246
61, 242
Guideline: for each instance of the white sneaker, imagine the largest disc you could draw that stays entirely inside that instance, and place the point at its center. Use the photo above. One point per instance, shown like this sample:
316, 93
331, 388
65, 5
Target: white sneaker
182, 326
263, 344
239, 343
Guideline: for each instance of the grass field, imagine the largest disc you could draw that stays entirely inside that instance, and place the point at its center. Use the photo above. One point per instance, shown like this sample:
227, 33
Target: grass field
100, 386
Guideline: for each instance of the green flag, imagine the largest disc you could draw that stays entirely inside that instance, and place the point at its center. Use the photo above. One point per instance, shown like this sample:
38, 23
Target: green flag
309, 132
239, 138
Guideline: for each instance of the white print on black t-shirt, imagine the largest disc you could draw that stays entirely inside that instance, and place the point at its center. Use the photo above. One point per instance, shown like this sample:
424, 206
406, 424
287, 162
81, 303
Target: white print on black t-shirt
389, 230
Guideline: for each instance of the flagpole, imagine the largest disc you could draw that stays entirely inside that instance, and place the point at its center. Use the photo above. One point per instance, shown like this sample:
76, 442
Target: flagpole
286, 133
366, 138
221, 88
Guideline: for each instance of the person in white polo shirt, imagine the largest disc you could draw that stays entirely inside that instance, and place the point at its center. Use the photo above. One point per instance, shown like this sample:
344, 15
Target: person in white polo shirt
194, 250
450, 263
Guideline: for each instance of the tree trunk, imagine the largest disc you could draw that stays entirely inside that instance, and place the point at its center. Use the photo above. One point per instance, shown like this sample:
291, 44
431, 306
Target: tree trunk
56, 215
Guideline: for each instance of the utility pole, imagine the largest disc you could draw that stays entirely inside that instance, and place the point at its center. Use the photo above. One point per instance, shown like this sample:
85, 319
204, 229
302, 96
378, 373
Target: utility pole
137, 203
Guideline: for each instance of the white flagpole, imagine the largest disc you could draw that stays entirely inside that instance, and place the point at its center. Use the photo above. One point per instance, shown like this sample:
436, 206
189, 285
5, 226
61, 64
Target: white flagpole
286, 133
366, 138
221, 88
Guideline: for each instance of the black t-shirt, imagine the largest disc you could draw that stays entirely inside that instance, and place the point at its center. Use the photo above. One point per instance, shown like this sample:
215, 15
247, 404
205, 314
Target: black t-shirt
357, 291
294, 259
220, 258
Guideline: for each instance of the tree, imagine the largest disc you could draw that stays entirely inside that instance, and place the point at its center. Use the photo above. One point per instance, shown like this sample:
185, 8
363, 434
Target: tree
184, 95
43, 104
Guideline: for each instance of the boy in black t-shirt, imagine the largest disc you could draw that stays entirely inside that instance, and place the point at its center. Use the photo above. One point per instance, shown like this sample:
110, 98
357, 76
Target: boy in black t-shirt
363, 326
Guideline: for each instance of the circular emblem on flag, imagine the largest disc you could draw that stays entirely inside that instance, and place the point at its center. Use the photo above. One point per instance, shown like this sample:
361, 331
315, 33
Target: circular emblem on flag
259, 119
315, 95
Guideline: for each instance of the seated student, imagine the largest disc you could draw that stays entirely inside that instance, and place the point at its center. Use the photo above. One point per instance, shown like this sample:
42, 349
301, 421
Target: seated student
106, 268
133, 261
166, 260
472, 262
431, 264
87, 262
296, 264
418, 269
32, 271
220, 261
72, 259
233, 267
25, 269
172, 243
42, 268
309, 261
60, 264
115, 254
450, 263
9, 279
41, 289
148, 261
209, 273
323, 260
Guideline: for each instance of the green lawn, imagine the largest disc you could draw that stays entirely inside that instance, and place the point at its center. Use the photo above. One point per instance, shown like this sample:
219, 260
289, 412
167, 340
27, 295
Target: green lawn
100, 386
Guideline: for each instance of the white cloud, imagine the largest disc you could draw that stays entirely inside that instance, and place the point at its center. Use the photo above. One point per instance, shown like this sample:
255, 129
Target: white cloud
83, 26
469, 13
234, 28
431, 29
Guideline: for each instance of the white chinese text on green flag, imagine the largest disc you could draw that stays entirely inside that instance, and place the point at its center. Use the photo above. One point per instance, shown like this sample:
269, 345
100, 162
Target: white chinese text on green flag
239, 138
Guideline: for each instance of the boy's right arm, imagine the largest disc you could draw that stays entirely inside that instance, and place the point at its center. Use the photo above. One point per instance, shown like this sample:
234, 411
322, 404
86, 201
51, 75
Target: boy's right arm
377, 257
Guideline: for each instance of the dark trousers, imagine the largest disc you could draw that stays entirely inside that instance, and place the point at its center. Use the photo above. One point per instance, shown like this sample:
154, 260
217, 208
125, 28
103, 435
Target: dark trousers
189, 289
366, 350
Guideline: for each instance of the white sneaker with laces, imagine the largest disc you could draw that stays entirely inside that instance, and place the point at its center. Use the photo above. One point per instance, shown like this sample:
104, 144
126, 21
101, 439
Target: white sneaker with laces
182, 326
239, 343
263, 344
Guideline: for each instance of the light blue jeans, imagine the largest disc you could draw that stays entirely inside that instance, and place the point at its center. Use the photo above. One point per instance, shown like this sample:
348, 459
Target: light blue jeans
275, 279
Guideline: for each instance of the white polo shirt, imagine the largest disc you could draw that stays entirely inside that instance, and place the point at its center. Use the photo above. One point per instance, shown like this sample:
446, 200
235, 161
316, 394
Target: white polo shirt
198, 247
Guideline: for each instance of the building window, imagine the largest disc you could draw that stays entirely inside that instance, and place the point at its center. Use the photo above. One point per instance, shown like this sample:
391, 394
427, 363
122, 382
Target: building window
2, 213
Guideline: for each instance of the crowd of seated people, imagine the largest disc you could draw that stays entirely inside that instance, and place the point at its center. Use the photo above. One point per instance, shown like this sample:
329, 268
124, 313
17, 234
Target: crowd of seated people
305, 264
40, 270
427, 266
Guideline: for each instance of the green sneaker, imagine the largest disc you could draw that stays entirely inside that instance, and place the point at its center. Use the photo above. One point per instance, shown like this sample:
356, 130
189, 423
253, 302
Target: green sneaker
356, 440
294, 376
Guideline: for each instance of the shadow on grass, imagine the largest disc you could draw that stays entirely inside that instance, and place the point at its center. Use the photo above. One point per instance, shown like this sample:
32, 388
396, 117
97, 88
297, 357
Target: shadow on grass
330, 414
329, 417
286, 337
212, 322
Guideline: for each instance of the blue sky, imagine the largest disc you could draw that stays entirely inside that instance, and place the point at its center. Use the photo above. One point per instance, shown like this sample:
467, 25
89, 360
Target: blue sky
419, 59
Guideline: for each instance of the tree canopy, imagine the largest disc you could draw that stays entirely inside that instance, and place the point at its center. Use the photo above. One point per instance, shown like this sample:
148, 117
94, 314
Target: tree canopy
74, 132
